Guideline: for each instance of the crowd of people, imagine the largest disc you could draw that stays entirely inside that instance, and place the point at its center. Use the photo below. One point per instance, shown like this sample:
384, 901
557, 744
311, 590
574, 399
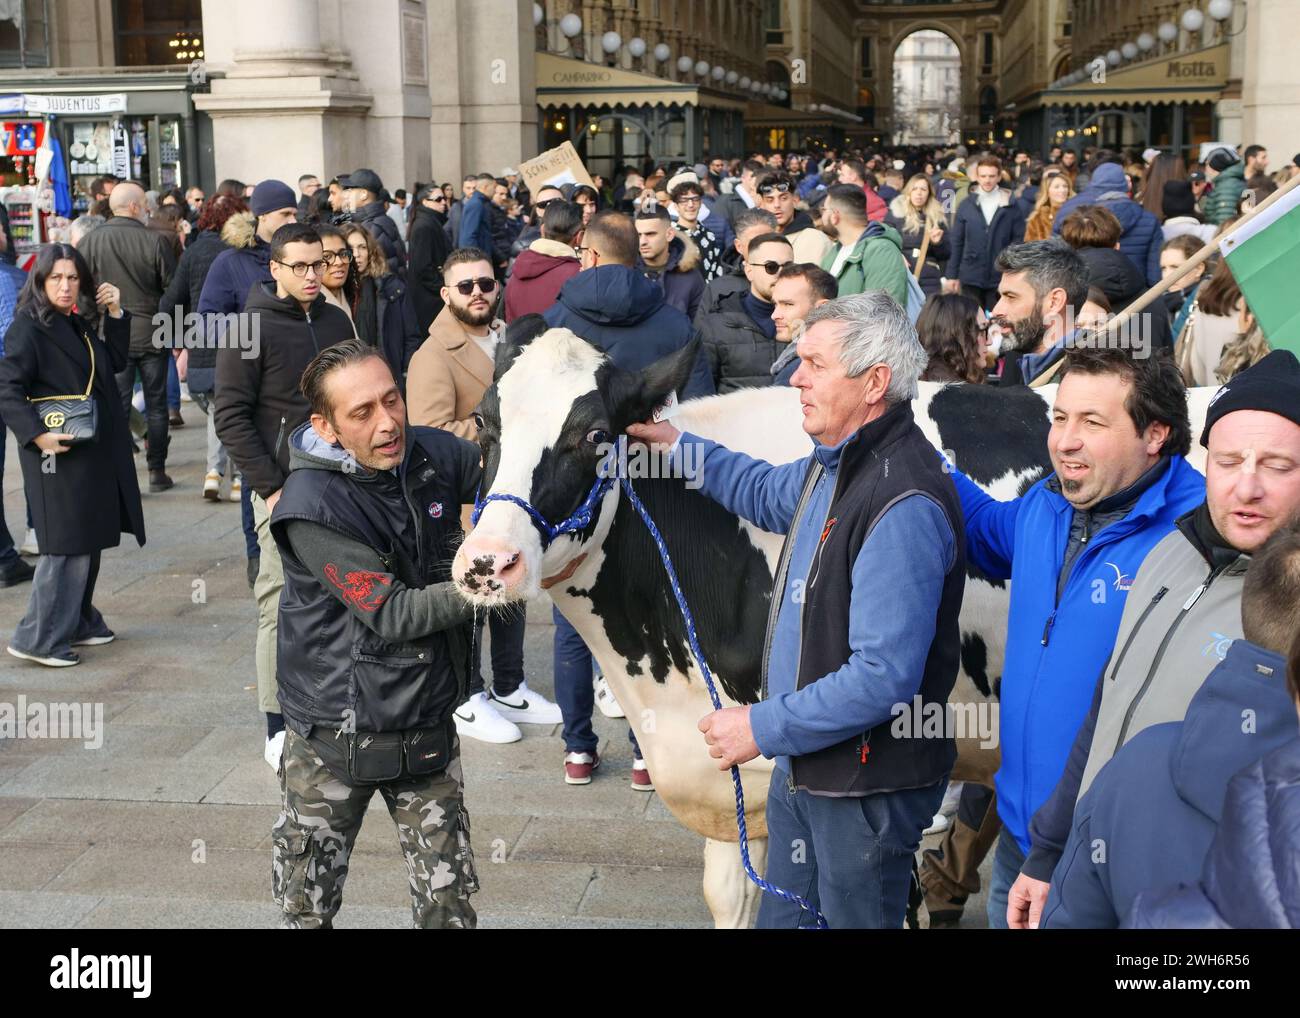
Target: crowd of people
987, 269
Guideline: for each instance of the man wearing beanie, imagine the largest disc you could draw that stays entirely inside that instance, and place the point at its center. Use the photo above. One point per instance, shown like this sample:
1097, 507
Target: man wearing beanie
233, 274
1184, 605
1178, 204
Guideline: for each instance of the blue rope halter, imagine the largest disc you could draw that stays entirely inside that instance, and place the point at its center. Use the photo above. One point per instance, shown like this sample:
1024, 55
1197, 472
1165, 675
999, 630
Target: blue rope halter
581, 518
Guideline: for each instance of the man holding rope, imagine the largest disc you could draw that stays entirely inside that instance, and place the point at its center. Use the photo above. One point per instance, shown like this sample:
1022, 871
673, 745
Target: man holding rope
870, 506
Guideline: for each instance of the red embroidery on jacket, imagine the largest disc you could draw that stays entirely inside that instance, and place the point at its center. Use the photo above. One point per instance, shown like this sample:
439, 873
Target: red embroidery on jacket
359, 587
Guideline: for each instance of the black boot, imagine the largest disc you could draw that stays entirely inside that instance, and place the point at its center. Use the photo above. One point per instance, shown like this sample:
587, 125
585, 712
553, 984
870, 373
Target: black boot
16, 572
159, 481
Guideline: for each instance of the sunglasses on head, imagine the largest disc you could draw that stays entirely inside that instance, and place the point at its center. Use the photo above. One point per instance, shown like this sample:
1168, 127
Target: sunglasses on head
771, 268
465, 287
782, 187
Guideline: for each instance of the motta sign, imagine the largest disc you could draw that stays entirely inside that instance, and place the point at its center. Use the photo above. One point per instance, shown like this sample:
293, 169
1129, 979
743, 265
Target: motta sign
109, 102
1194, 70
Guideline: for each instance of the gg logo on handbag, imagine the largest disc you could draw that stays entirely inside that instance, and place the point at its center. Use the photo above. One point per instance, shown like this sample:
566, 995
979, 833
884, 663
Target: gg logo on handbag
76, 415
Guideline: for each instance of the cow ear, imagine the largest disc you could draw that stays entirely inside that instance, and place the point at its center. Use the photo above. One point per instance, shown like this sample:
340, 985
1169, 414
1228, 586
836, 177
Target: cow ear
519, 334
634, 395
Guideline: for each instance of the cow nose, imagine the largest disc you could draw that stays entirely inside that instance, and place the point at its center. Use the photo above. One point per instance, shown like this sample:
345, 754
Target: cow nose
488, 565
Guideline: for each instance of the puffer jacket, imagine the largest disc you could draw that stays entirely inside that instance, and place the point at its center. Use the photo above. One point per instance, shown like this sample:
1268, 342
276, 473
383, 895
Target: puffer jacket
680, 279
1220, 204
375, 218
1142, 237
538, 274
739, 353
1251, 877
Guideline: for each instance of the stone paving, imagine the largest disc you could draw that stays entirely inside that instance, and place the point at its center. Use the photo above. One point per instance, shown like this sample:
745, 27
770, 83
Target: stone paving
167, 824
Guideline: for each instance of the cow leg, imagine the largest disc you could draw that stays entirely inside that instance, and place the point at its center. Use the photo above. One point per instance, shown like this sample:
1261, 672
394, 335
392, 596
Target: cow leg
731, 896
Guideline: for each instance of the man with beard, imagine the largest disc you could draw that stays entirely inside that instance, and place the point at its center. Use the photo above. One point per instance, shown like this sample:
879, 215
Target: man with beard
446, 379
1044, 283
1070, 547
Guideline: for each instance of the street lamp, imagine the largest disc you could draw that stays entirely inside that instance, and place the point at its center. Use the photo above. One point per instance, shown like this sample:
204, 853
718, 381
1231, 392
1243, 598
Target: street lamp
570, 25
1167, 31
732, 77
1193, 19
701, 68
1113, 58
1146, 42
1220, 10
662, 52
685, 63
744, 81
610, 42
1129, 50
636, 46
538, 14
719, 72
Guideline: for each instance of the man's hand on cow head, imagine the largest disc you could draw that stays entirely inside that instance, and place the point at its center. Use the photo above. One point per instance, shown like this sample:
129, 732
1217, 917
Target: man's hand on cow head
654, 433
729, 737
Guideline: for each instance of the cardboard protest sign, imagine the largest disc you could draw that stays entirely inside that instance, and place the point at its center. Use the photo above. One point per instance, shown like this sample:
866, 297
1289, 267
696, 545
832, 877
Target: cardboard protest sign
555, 166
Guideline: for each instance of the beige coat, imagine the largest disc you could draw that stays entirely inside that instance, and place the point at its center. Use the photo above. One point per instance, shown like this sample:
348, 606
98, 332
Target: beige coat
447, 377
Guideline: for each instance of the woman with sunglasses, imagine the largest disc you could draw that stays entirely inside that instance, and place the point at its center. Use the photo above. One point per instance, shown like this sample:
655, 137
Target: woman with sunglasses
427, 247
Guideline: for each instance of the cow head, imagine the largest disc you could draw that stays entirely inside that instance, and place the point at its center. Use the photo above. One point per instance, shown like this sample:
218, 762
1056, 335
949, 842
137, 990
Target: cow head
556, 405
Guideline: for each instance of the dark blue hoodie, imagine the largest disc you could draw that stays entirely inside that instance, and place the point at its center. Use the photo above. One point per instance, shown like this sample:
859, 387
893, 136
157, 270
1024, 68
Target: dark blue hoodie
1251, 876
1143, 235
1150, 816
623, 313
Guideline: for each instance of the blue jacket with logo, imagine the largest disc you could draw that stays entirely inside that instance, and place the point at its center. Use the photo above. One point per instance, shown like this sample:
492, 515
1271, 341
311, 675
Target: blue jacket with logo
1056, 650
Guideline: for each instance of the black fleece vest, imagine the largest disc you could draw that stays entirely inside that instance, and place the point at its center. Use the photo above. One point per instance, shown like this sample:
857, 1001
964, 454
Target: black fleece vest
329, 662
886, 461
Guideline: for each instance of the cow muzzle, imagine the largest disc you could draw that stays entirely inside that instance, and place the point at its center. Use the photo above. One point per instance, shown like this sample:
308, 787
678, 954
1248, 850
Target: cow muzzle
489, 570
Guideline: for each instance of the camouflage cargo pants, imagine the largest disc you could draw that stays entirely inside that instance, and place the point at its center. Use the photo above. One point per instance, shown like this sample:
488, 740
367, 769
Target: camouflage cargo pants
319, 820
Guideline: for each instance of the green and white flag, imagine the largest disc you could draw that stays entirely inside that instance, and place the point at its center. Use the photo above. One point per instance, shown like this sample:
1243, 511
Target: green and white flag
1264, 255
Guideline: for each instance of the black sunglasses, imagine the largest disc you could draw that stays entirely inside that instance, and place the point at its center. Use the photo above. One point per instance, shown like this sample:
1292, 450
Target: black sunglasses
782, 187
771, 268
541, 205
465, 287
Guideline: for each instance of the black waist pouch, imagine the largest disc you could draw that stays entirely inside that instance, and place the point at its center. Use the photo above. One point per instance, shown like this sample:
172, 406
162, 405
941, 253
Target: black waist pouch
370, 758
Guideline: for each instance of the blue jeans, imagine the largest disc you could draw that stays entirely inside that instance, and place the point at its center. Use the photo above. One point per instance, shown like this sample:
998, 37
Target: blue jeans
507, 652
173, 385
849, 857
251, 549
574, 691
1007, 861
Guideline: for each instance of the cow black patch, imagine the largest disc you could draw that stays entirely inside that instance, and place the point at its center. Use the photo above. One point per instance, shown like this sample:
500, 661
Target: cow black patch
726, 581
975, 661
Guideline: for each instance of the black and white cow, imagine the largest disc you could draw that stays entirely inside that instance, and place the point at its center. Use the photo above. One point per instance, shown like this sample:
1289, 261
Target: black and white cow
556, 401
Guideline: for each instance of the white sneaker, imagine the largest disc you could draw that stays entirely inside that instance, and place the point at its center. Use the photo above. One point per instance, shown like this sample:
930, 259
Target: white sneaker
938, 825
273, 751
526, 707
29, 545
212, 486
478, 719
185, 393
606, 701
137, 400
951, 798
236, 489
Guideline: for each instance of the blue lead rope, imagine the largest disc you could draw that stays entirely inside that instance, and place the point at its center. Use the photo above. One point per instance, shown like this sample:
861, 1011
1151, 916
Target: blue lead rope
580, 519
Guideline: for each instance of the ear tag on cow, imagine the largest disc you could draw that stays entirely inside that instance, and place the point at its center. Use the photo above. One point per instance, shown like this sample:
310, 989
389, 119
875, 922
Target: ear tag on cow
668, 409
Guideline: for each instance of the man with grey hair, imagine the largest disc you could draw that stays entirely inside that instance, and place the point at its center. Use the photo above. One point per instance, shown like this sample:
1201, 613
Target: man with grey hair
869, 510
82, 225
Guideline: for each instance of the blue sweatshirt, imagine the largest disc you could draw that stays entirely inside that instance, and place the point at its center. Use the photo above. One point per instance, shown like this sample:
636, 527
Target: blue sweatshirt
1056, 647
908, 553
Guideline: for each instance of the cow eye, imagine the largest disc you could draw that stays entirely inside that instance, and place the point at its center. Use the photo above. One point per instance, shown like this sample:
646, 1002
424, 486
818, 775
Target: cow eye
597, 437
478, 421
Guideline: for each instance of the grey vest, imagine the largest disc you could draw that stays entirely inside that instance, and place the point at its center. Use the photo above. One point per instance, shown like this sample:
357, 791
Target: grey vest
1180, 618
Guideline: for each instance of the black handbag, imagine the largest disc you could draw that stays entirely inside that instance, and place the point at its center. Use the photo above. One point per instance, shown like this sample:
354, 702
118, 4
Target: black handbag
369, 758
77, 416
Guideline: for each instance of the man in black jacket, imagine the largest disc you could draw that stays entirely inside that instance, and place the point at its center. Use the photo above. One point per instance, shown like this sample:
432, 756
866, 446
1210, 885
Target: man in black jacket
258, 405
739, 334
362, 191
987, 222
374, 643
136, 259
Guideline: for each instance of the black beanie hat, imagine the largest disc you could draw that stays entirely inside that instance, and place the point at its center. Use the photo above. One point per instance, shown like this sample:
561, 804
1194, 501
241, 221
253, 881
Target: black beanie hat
1177, 199
1272, 385
1221, 158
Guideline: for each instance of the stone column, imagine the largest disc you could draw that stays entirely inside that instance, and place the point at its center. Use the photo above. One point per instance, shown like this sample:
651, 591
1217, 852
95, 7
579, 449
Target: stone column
1271, 81
280, 103
482, 85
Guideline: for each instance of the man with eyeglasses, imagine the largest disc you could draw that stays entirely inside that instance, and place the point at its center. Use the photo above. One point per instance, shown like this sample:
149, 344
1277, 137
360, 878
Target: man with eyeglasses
739, 334
258, 404
776, 194
445, 381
